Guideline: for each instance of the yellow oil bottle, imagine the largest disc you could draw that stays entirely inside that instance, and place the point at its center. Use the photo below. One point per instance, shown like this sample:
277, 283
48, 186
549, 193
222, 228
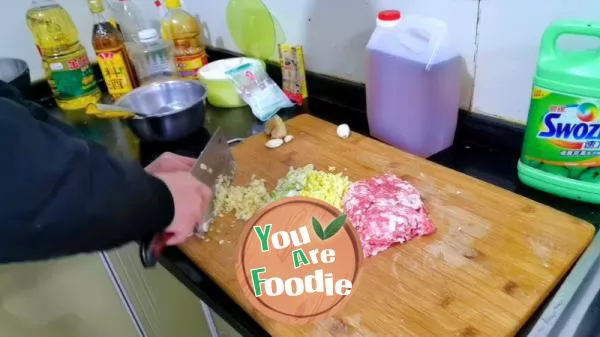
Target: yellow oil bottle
111, 54
183, 29
64, 58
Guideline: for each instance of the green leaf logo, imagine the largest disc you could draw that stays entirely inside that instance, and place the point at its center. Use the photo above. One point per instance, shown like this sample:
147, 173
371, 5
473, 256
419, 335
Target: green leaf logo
331, 229
318, 229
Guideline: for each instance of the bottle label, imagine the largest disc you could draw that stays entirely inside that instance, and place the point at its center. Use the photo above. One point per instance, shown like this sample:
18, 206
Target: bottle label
72, 78
188, 66
563, 135
115, 72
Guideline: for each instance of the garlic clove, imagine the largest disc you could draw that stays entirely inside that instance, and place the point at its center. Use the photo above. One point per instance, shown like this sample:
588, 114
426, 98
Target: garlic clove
288, 138
343, 131
274, 143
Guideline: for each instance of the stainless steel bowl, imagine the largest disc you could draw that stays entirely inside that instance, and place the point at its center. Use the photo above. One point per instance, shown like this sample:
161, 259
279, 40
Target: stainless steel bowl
16, 72
173, 109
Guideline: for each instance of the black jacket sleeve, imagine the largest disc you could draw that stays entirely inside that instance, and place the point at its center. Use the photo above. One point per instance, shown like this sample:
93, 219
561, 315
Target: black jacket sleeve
63, 195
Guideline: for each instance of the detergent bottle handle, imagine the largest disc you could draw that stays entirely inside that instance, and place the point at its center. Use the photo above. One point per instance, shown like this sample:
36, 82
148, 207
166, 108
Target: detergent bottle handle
549, 41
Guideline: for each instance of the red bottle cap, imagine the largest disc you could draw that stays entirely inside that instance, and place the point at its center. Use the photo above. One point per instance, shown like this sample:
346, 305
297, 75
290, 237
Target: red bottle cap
389, 15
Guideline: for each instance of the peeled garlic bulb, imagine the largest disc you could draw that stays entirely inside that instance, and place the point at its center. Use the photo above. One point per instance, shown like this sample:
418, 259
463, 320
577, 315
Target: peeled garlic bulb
275, 128
343, 131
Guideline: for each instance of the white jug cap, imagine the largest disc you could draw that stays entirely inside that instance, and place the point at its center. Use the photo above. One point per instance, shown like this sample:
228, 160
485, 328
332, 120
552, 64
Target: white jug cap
148, 35
388, 18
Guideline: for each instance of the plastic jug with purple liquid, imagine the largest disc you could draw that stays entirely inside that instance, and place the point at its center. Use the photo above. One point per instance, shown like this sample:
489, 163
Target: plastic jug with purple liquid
413, 83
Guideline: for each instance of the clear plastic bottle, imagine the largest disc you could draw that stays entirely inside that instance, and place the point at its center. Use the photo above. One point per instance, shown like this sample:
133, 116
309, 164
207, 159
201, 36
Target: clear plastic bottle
130, 22
64, 58
111, 53
413, 83
154, 58
183, 29
129, 18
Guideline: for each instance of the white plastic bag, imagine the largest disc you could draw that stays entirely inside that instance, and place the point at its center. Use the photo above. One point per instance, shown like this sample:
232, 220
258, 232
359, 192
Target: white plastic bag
258, 90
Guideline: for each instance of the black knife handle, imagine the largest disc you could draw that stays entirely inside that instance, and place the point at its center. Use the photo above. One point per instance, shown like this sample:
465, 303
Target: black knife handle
151, 249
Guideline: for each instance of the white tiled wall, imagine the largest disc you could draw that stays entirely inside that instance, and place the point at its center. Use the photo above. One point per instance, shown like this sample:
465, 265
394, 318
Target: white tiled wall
498, 38
507, 49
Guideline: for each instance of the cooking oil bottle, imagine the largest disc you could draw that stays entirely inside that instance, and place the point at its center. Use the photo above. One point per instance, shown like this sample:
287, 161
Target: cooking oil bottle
111, 54
184, 30
64, 58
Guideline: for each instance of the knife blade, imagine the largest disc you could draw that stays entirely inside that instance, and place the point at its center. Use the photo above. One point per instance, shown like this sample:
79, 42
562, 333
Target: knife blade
215, 160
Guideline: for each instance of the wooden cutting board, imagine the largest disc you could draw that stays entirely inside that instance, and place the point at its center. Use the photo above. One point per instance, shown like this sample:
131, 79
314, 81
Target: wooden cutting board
494, 258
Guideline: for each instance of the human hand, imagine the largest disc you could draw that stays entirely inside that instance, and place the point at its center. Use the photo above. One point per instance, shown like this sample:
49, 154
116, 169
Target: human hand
191, 199
170, 162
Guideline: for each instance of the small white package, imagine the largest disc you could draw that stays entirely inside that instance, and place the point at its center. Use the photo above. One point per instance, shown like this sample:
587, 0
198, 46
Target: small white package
257, 89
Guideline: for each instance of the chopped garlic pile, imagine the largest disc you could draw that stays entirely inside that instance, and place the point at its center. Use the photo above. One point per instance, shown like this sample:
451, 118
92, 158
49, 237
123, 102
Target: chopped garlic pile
243, 200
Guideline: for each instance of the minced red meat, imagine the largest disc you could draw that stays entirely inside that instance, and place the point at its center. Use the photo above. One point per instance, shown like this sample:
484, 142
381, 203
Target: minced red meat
386, 210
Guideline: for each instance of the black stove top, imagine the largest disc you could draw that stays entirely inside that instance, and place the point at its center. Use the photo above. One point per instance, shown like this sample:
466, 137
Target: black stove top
190, 146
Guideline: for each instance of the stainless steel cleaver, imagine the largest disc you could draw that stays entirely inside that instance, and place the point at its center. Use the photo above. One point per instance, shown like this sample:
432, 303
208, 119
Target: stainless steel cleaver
214, 161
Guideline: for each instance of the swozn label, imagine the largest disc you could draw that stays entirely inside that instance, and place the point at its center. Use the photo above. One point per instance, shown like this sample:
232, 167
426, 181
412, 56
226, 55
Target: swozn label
563, 135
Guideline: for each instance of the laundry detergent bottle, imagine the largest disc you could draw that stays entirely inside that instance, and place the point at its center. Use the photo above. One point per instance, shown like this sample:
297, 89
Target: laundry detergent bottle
561, 149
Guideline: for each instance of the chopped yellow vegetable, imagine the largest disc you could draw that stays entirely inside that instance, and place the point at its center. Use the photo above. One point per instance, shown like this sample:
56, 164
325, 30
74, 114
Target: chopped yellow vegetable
327, 187
305, 181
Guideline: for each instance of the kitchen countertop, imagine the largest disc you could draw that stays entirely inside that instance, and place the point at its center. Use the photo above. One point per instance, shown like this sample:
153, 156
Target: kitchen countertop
478, 155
